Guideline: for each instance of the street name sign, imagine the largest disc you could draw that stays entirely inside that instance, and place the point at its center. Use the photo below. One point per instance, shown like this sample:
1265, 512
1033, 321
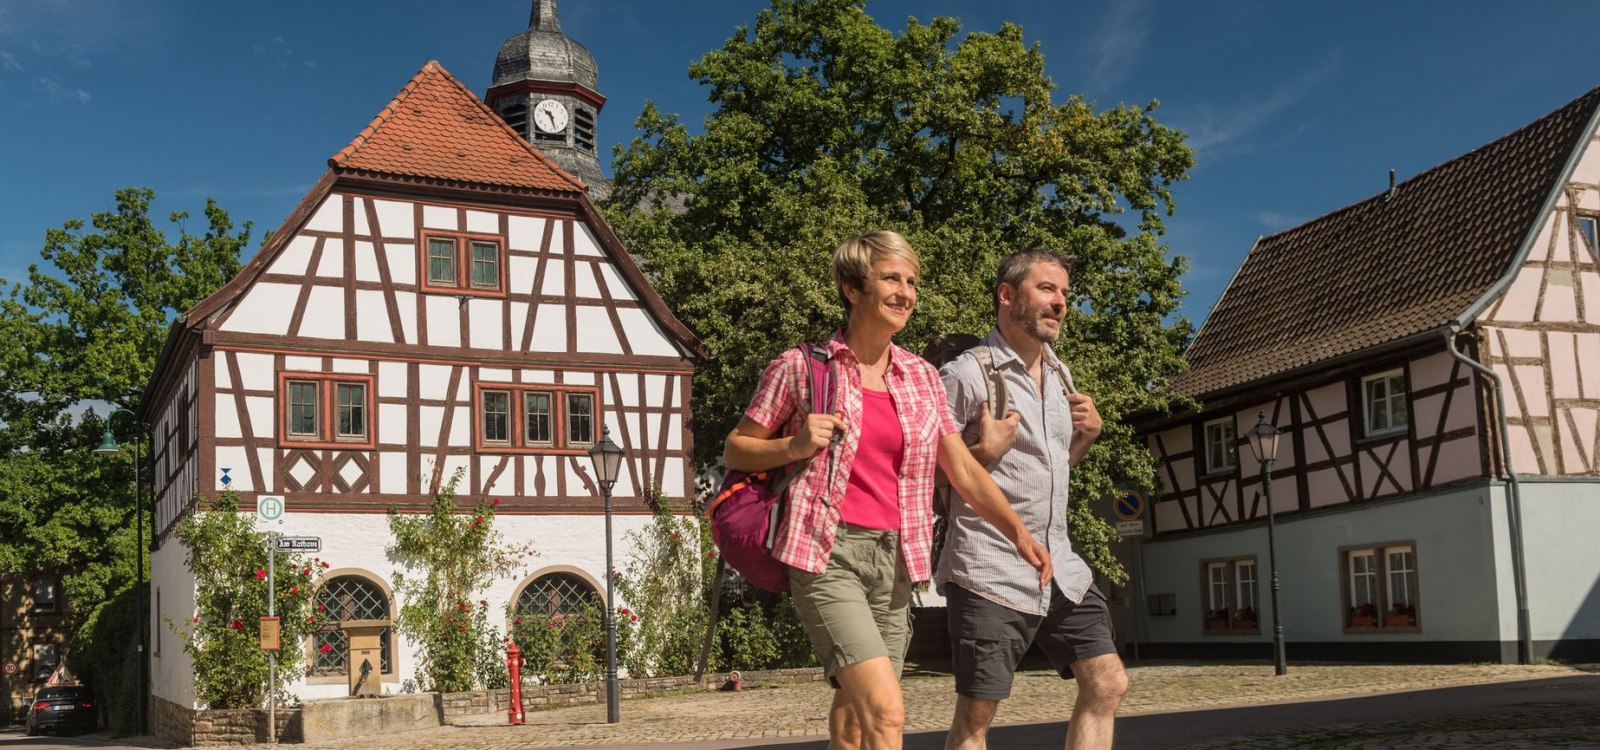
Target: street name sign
300, 543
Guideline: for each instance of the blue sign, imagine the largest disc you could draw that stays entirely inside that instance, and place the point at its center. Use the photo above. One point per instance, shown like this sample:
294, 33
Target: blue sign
1129, 505
226, 480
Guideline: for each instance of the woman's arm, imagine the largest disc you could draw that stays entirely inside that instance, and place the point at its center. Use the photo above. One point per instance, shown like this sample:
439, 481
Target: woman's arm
984, 496
751, 447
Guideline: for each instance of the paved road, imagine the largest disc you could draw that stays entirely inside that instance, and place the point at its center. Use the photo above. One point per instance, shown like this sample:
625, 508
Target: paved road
1176, 706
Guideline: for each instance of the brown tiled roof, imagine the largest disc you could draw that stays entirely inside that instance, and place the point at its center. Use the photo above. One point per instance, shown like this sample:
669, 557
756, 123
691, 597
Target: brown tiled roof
1387, 267
438, 129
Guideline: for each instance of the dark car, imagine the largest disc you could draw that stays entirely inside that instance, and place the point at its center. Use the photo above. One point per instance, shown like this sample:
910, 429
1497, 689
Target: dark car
70, 708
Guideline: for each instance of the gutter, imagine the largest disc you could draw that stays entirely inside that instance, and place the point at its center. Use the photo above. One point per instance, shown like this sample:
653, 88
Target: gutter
1519, 570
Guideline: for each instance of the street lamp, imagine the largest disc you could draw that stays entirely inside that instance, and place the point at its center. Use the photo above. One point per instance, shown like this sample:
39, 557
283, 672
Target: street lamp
1264, 443
109, 447
607, 459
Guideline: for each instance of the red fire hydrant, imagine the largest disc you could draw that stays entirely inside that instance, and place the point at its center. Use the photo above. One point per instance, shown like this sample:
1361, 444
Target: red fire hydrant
514, 666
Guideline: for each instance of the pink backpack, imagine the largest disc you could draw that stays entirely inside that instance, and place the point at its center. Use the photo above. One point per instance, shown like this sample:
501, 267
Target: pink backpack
747, 509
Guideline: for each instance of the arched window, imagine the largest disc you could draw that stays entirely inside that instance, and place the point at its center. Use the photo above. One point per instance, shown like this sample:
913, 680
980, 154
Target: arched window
556, 596
340, 599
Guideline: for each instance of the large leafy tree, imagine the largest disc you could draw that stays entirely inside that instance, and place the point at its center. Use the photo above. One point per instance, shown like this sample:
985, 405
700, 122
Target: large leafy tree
86, 326
826, 124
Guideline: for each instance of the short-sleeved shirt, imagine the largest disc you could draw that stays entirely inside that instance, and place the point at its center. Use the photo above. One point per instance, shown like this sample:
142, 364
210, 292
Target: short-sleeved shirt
811, 518
1033, 475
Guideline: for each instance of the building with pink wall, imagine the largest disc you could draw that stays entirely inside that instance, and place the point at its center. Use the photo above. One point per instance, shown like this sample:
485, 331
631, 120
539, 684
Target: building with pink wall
1432, 354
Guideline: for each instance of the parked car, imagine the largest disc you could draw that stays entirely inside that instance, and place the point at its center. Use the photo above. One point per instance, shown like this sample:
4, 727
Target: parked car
70, 708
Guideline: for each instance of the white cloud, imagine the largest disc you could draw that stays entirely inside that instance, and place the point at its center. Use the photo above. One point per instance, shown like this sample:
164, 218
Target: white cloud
1276, 221
58, 92
8, 62
1216, 131
1117, 44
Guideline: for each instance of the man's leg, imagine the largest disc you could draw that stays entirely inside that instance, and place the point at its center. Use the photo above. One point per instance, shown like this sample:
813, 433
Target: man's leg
970, 728
1101, 684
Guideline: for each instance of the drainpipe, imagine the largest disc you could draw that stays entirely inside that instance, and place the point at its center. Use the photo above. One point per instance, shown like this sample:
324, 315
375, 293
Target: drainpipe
1519, 572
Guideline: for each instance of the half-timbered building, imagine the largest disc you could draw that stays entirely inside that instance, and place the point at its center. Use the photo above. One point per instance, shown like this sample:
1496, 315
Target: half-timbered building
444, 300
1432, 354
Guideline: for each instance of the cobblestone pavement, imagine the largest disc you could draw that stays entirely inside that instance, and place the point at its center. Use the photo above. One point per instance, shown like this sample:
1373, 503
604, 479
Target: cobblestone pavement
772, 716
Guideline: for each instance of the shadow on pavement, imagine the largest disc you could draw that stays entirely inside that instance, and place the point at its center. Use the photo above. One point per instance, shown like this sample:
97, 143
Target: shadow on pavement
1567, 698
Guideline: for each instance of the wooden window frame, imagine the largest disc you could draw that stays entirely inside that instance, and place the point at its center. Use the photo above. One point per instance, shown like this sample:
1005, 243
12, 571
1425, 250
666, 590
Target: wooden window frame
1205, 447
45, 606
328, 410
1231, 588
1383, 619
464, 260
560, 443
1367, 429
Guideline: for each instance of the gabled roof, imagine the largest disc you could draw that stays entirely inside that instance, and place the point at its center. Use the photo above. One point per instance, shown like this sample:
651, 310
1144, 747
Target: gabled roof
1395, 265
437, 129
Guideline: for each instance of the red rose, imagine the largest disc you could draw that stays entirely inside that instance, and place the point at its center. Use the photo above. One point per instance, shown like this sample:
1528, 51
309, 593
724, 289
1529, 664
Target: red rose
321, 606
479, 519
635, 618
517, 621
260, 574
324, 566
326, 647
497, 501
462, 606
197, 620
238, 625
294, 589
306, 572
483, 602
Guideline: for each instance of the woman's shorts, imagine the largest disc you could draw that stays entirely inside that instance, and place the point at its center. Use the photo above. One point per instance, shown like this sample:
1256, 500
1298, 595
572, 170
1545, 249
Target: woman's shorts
860, 607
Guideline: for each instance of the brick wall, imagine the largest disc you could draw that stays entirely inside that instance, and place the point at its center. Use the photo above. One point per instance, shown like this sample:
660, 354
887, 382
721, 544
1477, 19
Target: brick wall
186, 726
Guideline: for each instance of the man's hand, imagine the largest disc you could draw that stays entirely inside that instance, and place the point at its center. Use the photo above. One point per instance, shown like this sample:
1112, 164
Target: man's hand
1085, 418
995, 436
1036, 555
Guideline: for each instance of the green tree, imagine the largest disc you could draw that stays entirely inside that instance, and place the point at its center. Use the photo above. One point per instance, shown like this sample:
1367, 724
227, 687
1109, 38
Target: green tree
826, 124
86, 325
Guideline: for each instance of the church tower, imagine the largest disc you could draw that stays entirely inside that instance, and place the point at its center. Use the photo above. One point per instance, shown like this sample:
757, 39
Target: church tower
545, 87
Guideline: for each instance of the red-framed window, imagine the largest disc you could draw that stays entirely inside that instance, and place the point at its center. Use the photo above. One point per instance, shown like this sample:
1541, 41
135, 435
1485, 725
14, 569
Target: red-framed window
331, 410
536, 418
462, 263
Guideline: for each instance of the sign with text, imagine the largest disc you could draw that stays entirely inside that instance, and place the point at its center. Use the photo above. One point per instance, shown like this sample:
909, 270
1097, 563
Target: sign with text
300, 543
1130, 528
271, 633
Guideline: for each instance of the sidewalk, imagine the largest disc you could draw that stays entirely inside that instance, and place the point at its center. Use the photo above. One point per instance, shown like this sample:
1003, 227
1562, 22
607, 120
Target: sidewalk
1165, 707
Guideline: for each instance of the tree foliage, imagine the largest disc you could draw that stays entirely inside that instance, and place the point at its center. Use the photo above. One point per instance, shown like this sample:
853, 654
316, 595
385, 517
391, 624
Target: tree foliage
85, 326
825, 125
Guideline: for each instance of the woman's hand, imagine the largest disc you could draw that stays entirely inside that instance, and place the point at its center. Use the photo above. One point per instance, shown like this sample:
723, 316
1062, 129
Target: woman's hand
815, 434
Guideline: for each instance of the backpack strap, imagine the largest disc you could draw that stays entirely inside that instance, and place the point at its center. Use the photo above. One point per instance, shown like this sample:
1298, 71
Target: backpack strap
994, 381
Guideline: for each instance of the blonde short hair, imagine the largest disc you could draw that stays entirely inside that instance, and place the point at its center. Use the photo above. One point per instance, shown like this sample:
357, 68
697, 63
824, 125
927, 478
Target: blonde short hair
853, 259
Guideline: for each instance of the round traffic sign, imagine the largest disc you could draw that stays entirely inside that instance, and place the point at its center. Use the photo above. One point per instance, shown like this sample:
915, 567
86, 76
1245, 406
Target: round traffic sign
269, 508
1129, 505
10, 668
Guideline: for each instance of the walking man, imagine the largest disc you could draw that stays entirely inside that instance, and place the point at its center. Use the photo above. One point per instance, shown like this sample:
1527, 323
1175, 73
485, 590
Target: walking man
996, 607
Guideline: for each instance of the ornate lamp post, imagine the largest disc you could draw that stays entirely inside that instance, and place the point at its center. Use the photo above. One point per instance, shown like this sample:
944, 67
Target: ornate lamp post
109, 447
1264, 444
607, 459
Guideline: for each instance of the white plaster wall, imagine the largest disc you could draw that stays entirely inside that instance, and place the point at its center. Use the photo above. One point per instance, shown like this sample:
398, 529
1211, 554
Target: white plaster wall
358, 540
1561, 522
172, 672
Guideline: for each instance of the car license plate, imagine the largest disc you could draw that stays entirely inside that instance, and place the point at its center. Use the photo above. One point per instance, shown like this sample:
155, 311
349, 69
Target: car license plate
61, 708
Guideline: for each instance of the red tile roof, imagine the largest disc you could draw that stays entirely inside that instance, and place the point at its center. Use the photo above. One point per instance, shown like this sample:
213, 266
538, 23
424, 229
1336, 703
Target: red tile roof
437, 129
1387, 267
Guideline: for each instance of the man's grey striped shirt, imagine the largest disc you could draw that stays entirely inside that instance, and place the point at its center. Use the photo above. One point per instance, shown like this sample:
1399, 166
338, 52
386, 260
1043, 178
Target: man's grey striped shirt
1033, 475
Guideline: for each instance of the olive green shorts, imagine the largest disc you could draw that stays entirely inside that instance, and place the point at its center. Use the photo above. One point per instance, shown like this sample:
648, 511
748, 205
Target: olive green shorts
860, 607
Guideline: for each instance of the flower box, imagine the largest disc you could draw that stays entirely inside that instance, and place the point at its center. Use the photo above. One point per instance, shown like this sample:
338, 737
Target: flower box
1363, 621
1217, 623
1243, 624
1400, 620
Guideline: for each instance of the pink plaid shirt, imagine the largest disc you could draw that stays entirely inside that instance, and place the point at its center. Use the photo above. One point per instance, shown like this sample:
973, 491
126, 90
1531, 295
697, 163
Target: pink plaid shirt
782, 399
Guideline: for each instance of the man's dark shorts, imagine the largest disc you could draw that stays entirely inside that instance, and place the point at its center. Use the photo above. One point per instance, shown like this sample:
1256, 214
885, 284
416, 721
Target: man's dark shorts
988, 640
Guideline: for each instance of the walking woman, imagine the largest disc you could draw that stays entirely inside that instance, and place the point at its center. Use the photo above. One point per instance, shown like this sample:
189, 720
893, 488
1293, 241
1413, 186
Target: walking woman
858, 525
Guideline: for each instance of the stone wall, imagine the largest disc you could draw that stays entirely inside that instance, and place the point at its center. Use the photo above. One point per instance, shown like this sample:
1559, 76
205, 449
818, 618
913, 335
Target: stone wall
538, 697
186, 726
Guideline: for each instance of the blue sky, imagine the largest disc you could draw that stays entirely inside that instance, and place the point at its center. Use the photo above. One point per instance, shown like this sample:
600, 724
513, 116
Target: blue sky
1294, 109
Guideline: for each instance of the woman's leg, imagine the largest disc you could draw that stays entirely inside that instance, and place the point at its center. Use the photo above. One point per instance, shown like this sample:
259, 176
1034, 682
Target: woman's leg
871, 689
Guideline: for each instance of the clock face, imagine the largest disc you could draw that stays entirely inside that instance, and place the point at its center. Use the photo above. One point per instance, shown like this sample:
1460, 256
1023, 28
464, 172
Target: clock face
550, 116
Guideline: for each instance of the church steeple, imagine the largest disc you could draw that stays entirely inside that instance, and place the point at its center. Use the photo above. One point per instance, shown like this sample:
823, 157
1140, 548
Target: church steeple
546, 87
